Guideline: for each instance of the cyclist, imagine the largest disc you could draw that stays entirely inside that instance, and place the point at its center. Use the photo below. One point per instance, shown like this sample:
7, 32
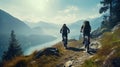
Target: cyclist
64, 30
86, 29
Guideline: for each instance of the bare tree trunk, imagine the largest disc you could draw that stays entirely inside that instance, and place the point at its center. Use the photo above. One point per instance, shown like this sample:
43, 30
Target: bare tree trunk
111, 15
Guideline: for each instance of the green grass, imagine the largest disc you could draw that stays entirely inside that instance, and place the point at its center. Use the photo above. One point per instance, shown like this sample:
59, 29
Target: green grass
43, 61
110, 41
89, 63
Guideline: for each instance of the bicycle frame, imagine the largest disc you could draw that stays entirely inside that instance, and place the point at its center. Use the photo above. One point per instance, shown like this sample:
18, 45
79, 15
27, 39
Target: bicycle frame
86, 43
65, 41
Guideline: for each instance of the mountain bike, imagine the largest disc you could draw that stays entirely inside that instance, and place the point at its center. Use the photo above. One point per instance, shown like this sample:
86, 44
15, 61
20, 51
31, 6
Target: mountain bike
86, 43
65, 41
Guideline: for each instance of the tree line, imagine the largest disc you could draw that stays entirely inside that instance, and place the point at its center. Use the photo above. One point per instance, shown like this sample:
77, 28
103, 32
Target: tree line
113, 8
14, 48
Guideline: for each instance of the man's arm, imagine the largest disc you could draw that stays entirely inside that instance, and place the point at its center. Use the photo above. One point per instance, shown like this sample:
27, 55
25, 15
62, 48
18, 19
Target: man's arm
81, 29
68, 30
90, 28
61, 30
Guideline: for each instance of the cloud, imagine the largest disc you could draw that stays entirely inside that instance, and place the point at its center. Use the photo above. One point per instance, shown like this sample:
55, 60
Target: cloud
69, 9
27, 10
72, 14
55, 11
94, 10
99, 5
68, 15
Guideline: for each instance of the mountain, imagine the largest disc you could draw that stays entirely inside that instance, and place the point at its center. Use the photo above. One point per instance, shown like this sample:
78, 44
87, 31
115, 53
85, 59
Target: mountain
26, 36
96, 22
103, 52
75, 26
45, 24
45, 28
53, 29
42, 24
8, 23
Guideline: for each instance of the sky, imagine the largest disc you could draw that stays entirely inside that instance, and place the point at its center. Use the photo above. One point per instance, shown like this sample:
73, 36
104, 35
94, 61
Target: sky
53, 11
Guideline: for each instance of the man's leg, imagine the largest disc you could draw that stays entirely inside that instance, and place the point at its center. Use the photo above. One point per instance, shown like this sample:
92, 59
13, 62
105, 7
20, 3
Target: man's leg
66, 38
83, 38
89, 38
62, 37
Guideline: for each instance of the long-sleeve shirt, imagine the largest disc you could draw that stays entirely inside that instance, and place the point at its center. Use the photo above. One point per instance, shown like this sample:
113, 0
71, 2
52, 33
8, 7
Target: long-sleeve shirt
64, 30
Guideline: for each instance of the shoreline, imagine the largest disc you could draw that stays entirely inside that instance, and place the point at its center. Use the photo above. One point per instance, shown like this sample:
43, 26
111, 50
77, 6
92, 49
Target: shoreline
38, 47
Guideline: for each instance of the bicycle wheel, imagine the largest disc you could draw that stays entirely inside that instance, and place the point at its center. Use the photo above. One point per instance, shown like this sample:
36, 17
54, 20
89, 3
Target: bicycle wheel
86, 43
65, 41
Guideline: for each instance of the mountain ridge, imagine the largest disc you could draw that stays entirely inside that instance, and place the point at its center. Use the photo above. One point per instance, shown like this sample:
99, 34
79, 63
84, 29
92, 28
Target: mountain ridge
9, 22
75, 55
26, 36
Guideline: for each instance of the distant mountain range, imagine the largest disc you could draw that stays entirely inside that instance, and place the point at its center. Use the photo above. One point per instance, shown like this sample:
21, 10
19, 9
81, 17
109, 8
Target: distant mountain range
8, 23
53, 29
46, 27
31, 34
26, 36
94, 22
75, 26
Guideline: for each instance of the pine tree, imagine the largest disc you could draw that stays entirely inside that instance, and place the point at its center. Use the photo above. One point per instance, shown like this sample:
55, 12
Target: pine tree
114, 11
107, 4
14, 48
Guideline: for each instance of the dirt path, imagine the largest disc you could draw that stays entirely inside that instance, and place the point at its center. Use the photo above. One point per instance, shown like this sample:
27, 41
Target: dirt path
77, 58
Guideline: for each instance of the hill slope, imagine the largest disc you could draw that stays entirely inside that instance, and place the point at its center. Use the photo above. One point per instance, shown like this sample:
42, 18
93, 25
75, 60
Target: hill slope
107, 56
109, 53
8, 23
24, 34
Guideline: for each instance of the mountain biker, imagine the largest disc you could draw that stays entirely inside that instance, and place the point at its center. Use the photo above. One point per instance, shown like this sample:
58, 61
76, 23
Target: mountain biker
86, 29
64, 30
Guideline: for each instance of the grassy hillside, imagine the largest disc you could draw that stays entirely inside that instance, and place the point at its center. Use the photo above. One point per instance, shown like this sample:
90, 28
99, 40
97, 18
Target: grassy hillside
46, 60
109, 54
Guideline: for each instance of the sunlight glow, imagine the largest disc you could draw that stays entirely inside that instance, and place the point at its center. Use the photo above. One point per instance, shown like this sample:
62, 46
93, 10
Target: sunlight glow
53, 11
40, 5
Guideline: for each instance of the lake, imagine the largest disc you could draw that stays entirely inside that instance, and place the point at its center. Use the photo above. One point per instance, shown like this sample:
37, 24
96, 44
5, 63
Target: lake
38, 47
